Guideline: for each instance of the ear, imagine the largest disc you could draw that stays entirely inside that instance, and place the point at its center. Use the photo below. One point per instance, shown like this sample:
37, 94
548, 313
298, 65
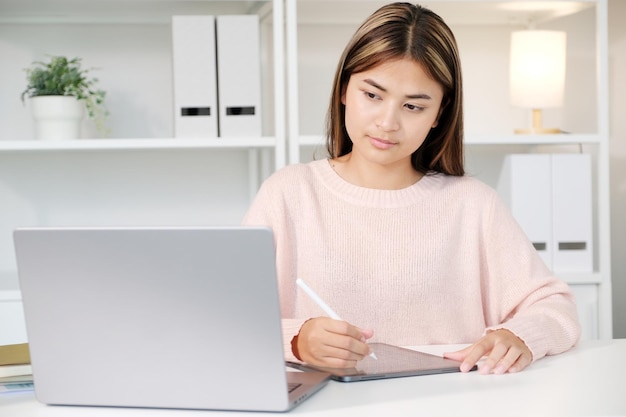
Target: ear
441, 109
344, 89
436, 122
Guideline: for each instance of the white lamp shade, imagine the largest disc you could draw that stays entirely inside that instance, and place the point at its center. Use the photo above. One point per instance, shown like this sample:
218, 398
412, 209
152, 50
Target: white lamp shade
537, 72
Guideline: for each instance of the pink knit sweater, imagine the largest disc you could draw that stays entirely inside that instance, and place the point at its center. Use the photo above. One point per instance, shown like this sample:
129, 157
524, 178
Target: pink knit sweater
439, 262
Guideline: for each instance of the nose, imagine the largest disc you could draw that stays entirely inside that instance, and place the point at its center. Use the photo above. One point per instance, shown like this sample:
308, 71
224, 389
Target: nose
387, 119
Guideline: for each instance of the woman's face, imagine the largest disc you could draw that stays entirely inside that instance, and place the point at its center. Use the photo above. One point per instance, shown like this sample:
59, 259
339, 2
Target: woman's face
389, 111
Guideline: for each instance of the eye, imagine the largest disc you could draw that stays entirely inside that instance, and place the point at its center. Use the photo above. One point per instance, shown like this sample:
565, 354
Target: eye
413, 107
370, 95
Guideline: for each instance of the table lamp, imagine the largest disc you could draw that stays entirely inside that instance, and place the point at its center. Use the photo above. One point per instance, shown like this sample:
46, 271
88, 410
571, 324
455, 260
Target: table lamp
537, 74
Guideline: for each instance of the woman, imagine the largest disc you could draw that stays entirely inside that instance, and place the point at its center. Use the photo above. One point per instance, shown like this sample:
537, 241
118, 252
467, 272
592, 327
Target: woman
389, 231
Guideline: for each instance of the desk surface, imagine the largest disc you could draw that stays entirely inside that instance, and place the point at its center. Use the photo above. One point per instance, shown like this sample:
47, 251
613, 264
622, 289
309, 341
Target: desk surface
589, 380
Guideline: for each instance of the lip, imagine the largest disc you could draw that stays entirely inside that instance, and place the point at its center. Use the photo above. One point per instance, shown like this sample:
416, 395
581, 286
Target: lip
381, 143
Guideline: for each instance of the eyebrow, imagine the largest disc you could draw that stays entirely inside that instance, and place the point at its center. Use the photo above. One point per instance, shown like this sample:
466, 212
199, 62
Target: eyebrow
412, 96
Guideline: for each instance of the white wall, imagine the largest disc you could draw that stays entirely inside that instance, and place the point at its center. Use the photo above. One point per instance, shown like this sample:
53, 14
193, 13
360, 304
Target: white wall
617, 105
134, 67
132, 61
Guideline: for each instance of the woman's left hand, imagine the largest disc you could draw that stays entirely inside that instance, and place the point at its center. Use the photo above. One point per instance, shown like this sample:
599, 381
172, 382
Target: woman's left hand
505, 353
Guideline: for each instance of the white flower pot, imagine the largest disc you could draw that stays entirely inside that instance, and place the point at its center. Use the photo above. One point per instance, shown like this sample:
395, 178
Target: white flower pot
57, 117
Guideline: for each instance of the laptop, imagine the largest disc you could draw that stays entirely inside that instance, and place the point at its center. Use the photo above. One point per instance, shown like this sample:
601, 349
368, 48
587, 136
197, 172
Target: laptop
166, 317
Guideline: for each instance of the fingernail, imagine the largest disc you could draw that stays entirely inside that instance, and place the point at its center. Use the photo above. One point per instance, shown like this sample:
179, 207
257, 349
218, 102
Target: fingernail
465, 367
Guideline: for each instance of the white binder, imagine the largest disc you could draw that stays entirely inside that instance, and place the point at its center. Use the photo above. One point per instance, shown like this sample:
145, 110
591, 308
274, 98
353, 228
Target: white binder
239, 75
572, 220
195, 83
525, 185
550, 197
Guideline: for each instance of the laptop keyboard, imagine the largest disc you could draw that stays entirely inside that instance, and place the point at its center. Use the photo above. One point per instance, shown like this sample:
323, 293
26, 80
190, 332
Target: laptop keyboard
291, 386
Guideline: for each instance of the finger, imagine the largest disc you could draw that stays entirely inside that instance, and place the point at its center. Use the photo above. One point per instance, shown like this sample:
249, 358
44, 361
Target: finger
350, 337
329, 355
366, 334
474, 354
349, 344
507, 360
344, 328
337, 357
458, 355
497, 353
327, 342
522, 362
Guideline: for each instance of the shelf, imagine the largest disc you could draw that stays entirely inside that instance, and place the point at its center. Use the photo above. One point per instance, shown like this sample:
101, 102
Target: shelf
352, 12
135, 144
263, 142
9, 287
510, 139
120, 11
312, 140
581, 278
10, 295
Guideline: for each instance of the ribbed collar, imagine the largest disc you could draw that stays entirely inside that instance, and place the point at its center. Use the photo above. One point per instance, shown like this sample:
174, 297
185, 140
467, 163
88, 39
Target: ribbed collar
370, 197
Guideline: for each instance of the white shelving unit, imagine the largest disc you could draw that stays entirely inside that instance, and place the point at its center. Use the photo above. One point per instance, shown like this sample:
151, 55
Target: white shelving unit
317, 32
141, 174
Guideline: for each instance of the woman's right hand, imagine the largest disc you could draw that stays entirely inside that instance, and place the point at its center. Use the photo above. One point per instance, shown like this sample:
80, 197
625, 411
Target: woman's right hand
325, 342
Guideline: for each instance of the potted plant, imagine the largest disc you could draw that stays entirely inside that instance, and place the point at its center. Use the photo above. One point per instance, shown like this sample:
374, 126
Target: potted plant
60, 90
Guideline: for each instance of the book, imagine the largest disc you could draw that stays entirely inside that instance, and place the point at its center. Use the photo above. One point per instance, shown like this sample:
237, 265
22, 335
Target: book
17, 387
16, 379
15, 370
14, 354
15, 360
16, 384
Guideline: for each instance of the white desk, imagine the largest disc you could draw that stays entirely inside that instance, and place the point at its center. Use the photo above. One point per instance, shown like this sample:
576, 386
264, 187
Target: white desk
589, 380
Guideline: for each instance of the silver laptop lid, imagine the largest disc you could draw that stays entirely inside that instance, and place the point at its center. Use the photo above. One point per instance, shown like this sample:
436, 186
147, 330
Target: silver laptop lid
153, 317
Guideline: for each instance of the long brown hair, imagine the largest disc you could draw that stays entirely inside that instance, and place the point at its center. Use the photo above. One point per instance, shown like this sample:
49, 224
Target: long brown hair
404, 30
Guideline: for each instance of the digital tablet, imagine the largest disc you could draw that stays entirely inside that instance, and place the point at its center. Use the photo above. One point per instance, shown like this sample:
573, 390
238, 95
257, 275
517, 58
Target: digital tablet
392, 362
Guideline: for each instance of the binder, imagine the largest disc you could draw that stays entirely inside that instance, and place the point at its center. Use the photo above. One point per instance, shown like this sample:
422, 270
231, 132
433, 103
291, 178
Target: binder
195, 82
550, 195
525, 186
239, 75
572, 220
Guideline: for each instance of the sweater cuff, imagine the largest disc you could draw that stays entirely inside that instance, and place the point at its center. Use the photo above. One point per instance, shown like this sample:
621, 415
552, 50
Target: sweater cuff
542, 343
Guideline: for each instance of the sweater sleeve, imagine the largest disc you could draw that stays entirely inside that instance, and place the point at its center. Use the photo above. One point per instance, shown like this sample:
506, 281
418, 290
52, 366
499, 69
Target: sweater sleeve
267, 210
524, 296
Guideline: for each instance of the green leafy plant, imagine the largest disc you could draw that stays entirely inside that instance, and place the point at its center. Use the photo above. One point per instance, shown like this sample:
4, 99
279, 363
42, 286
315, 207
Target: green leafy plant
63, 77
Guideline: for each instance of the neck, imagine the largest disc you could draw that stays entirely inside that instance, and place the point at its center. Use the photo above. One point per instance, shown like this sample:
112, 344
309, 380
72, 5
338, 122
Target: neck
376, 176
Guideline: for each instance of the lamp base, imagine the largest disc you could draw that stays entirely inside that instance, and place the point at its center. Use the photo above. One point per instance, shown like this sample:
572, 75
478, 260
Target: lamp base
537, 128
538, 131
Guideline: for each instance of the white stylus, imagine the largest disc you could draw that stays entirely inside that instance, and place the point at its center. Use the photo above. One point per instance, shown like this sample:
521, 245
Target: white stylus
322, 304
